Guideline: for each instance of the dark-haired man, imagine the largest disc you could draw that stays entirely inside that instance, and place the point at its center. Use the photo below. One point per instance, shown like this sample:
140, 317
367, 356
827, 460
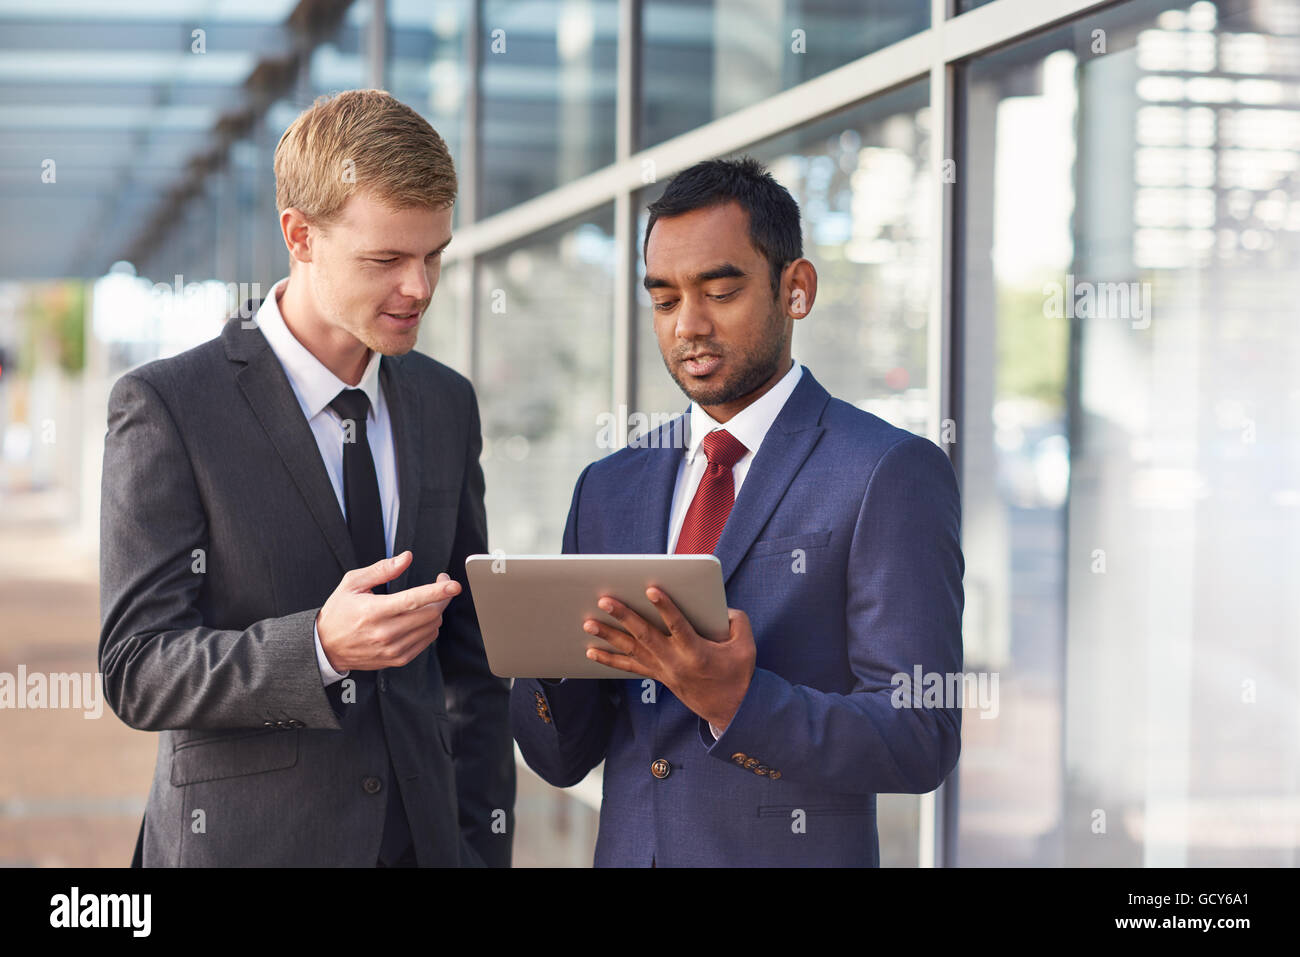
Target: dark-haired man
838, 538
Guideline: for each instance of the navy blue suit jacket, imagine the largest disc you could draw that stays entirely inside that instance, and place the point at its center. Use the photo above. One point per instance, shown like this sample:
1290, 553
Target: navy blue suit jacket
843, 549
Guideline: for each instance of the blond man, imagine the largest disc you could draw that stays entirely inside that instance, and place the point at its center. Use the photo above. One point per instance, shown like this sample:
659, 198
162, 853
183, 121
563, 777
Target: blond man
286, 512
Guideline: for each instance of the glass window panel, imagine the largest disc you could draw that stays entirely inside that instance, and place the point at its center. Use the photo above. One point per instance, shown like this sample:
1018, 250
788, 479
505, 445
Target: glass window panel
548, 80
1130, 440
544, 374
703, 59
427, 66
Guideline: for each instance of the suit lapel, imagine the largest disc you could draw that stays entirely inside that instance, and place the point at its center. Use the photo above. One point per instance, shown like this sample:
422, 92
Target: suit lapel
404, 415
266, 387
783, 452
649, 490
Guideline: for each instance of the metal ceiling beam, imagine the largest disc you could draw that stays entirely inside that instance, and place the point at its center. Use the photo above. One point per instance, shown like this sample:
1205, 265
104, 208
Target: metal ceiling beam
114, 36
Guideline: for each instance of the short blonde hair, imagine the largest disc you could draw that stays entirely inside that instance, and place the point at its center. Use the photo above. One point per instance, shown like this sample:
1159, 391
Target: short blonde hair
361, 140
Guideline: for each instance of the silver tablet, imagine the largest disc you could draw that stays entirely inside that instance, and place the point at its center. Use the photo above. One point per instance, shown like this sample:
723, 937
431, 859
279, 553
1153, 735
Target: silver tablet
531, 607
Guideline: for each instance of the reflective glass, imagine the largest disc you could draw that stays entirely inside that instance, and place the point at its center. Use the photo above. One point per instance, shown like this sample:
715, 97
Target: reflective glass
1130, 440
703, 59
549, 81
544, 375
428, 67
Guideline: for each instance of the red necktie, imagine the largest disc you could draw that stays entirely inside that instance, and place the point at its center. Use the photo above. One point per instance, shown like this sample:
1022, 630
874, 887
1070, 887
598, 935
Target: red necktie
708, 513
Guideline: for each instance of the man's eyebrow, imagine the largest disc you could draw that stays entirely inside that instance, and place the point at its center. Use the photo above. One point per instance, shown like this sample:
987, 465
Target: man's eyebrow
399, 252
724, 271
721, 271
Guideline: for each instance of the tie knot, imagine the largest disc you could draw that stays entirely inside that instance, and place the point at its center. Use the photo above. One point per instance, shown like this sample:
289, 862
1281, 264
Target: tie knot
352, 404
723, 449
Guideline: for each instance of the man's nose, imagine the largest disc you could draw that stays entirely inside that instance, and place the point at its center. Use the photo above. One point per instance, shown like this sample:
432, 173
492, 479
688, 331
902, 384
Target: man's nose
415, 282
692, 318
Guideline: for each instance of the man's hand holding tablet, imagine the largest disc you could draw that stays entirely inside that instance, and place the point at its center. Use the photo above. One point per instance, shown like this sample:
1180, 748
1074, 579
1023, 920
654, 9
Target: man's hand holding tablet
709, 677
532, 609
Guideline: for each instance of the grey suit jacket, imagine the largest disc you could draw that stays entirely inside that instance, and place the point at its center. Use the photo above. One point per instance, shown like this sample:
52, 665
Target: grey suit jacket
221, 538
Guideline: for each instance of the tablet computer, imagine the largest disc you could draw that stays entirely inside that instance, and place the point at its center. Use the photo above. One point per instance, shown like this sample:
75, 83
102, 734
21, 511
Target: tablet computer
531, 607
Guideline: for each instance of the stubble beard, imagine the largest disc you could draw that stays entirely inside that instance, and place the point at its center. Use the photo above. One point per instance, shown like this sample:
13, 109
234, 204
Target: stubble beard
757, 366
369, 332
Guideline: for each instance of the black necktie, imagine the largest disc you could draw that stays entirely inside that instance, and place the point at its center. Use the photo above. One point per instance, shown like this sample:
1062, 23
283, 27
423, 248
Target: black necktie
360, 483
366, 526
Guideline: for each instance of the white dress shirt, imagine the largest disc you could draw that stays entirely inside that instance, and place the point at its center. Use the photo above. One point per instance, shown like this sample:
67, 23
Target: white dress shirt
315, 387
750, 426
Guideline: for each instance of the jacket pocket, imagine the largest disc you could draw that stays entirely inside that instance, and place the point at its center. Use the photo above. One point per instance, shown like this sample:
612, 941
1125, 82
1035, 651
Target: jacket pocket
233, 755
786, 545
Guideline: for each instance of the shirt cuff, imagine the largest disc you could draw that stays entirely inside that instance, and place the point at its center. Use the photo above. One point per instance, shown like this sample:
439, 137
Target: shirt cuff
327, 673
714, 731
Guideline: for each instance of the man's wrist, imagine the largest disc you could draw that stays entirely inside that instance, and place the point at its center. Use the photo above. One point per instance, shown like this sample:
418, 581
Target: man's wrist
328, 674
718, 723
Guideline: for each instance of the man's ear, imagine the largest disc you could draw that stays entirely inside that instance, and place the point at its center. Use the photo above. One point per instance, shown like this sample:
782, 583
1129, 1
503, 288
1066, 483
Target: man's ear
801, 286
298, 234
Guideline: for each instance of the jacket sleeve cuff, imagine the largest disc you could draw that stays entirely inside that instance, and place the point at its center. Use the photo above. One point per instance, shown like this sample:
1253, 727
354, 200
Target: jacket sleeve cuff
745, 732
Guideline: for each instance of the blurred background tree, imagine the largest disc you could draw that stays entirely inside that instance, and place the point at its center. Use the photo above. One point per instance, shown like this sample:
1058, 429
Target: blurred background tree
55, 315
1033, 347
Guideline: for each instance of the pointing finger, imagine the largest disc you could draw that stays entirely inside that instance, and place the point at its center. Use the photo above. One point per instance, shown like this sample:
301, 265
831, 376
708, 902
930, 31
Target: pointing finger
420, 595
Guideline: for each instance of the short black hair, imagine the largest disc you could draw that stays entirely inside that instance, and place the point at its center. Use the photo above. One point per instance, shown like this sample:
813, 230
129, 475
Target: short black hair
774, 228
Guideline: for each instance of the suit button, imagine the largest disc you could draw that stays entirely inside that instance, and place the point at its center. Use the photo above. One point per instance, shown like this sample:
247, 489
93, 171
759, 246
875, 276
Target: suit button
295, 723
740, 758
371, 785
751, 763
268, 724
661, 769
774, 775
762, 769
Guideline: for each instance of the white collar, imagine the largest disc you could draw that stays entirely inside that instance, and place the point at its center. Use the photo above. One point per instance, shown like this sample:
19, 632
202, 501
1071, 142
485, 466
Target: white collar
314, 384
750, 424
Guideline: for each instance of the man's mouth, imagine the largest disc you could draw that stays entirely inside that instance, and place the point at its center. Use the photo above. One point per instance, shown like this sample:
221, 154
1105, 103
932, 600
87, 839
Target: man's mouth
402, 318
701, 364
